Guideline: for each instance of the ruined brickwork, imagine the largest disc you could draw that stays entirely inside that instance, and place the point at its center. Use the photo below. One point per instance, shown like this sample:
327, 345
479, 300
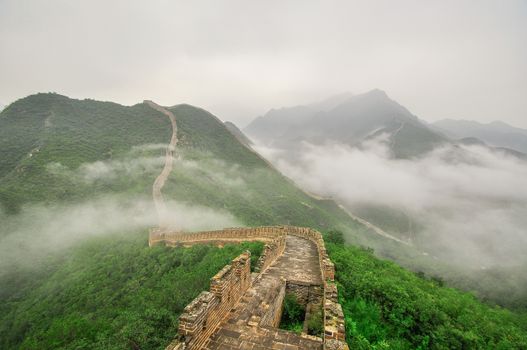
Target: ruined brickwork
208, 322
272, 250
202, 316
273, 312
305, 293
333, 317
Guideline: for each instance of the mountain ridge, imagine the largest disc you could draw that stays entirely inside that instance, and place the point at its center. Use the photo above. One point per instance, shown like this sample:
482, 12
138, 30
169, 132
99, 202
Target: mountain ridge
496, 133
351, 122
75, 152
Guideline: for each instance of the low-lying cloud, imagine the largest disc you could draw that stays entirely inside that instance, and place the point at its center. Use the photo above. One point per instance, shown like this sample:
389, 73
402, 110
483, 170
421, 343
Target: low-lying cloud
89, 173
471, 202
40, 230
136, 164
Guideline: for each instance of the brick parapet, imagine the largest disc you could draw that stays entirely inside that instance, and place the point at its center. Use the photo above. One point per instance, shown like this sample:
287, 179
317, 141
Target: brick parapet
334, 323
326, 265
236, 234
270, 253
202, 316
272, 312
264, 233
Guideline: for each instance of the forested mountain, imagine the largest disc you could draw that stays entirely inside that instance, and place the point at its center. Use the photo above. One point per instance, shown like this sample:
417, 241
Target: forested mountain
60, 150
76, 270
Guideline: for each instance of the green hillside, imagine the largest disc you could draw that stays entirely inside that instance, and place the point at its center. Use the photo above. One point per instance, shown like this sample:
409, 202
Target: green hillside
388, 307
44, 132
112, 291
72, 137
109, 293
63, 153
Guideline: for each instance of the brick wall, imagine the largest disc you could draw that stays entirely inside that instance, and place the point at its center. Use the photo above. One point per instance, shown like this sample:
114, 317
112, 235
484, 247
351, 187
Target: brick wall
327, 268
237, 234
201, 317
273, 312
334, 331
270, 253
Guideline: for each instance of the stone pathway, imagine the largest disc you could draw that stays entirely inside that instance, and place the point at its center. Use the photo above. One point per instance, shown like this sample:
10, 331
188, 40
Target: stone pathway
248, 326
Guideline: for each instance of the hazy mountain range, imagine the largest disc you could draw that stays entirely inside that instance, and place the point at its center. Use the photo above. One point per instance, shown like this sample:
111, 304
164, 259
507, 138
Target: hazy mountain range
349, 120
353, 119
457, 196
497, 133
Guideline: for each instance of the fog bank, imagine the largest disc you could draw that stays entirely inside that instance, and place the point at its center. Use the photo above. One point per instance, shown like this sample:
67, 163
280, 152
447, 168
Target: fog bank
469, 202
42, 230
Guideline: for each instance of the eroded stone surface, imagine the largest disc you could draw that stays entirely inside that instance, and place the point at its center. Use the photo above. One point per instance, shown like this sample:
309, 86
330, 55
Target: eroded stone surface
261, 338
252, 323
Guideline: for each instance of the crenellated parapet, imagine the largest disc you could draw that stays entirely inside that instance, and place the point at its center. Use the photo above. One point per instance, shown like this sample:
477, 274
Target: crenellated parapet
269, 234
272, 250
236, 234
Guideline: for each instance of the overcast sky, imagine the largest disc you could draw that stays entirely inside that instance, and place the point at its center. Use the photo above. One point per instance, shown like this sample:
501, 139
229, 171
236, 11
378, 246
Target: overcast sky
239, 58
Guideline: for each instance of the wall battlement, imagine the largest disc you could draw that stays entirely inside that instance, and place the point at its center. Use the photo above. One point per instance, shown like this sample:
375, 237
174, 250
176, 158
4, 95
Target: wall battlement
202, 317
236, 234
243, 234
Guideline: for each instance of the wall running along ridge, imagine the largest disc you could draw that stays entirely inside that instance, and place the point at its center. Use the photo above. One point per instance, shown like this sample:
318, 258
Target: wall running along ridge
204, 314
159, 182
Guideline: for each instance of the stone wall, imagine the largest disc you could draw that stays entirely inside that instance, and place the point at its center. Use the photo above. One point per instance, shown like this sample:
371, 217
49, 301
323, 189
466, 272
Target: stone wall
334, 330
270, 253
273, 312
202, 316
237, 234
305, 293
327, 268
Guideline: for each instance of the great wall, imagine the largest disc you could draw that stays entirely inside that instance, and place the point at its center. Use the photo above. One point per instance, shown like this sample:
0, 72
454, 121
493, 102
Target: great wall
160, 180
242, 310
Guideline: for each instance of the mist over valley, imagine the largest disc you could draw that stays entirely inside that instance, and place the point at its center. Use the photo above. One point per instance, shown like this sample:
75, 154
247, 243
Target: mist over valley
215, 175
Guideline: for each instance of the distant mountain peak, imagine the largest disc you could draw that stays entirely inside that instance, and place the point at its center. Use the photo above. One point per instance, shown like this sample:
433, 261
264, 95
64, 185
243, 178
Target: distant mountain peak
347, 119
377, 92
499, 123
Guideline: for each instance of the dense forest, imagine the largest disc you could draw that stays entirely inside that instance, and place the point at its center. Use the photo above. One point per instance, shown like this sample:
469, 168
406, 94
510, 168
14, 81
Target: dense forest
388, 307
109, 293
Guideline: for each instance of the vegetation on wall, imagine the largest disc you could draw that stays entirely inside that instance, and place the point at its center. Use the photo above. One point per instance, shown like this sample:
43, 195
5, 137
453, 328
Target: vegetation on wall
315, 321
293, 314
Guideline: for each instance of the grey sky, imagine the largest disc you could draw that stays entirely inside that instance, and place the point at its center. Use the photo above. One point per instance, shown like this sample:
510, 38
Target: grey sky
441, 59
